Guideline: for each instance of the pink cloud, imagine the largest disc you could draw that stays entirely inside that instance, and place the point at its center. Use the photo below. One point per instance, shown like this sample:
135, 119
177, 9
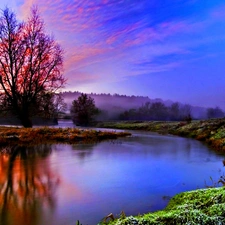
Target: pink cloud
25, 8
80, 54
164, 30
123, 33
80, 10
91, 36
79, 77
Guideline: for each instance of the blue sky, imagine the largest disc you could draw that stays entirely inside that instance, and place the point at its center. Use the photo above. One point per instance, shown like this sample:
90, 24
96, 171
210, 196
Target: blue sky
169, 49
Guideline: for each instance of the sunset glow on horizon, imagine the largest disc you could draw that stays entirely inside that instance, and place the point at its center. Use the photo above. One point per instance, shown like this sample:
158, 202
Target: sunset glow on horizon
158, 48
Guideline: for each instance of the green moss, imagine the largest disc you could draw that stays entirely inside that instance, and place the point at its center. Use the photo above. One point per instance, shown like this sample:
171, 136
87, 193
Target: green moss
220, 134
204, 206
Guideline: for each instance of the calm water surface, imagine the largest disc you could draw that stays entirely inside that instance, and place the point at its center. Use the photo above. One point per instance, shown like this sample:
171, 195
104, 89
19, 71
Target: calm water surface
59, 184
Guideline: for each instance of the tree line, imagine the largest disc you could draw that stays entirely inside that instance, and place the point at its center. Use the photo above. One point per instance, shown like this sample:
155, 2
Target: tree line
84, 112
158, 111
174, 112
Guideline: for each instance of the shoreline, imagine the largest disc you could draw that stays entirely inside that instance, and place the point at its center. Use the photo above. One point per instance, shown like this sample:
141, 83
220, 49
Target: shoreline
211, 132
201, 206
49, 135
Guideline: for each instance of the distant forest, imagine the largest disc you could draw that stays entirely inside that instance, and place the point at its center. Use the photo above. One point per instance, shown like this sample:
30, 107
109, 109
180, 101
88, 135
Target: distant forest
122, 107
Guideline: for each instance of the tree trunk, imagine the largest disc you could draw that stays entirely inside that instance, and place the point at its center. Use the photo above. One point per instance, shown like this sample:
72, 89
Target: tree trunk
26, 122
25, 118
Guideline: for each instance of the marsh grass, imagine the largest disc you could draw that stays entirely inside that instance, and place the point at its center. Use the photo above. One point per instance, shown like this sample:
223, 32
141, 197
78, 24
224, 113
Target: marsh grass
31, 136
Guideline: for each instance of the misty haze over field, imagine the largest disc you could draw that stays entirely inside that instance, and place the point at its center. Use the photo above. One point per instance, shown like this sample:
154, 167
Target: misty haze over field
113, 105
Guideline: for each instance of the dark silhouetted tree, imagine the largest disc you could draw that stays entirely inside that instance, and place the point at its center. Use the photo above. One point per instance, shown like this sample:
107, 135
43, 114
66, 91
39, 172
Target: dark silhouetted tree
215, 113
30, 65
83, 110
144, 111
52, 105
158, 111
174, 111
185, 112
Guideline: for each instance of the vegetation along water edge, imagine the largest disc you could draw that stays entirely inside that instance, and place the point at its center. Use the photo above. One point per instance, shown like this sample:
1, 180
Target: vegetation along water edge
34, 136
210, 131
203, 206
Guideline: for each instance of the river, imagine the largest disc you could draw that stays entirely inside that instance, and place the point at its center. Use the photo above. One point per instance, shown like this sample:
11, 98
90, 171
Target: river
60, 184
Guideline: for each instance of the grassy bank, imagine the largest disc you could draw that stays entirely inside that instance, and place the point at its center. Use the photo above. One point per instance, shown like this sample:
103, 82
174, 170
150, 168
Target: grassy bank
205, 207
33, 136
210, 131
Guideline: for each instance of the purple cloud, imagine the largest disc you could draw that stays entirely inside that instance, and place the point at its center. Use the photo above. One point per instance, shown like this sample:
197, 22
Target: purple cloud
112, 40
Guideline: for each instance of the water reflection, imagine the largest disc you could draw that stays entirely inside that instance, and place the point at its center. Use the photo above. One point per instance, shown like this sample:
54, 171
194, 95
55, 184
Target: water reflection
83, 150
60, 184
27, 184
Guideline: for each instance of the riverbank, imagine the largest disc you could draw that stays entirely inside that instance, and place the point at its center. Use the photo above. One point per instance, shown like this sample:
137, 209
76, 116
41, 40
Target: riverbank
210, 131
34, 136
203, 206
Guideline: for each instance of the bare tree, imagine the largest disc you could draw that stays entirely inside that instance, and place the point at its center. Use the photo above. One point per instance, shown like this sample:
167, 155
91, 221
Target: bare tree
30, 64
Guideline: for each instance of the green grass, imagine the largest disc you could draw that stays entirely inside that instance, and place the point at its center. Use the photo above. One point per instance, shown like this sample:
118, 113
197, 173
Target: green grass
204, 206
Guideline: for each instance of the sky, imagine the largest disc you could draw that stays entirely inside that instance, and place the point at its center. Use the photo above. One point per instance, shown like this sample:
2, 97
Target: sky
168, 49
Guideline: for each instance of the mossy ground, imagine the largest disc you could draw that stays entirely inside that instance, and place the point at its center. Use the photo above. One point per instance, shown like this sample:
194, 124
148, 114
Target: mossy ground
34, 136
202, 207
